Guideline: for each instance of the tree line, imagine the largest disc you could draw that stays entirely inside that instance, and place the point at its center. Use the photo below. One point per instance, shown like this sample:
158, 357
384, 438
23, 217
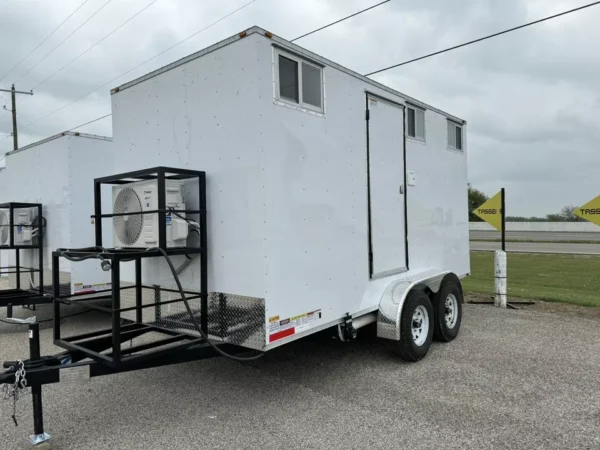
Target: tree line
477, 198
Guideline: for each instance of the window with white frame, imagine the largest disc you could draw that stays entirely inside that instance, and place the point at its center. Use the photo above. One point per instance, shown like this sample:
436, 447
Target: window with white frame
455, 136
415, 122
299, 82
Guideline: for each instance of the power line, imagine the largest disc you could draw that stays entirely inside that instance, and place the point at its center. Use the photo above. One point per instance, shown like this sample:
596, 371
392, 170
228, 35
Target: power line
65, 39
44, 40
341, 20
97, 43
485, 37
91, 121
186, 39
139, 65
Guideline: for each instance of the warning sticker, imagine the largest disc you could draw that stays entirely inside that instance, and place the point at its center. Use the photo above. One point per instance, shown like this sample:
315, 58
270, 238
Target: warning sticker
80, 288
279, 329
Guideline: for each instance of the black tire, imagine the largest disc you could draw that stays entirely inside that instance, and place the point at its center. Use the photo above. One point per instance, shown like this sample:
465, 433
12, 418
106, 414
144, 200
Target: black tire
406, 347
442, 331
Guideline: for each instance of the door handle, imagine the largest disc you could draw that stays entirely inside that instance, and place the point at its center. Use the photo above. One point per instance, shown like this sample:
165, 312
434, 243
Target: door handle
401, 189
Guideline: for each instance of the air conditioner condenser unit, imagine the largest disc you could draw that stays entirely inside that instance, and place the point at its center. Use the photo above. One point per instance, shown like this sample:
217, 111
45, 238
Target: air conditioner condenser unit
141, 230
23, 231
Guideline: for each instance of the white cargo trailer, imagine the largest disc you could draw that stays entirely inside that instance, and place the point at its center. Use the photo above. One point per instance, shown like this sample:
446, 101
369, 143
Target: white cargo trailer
322, 199
58, 172
331, 198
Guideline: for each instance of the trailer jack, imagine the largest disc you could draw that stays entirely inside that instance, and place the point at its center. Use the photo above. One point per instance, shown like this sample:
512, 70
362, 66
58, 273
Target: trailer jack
346, 330
16, 384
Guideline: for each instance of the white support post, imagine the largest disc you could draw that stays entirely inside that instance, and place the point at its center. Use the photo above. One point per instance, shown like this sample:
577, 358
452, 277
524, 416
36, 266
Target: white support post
500, 279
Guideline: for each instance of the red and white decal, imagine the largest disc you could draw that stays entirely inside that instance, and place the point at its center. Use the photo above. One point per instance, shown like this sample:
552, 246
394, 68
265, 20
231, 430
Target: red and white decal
279, 329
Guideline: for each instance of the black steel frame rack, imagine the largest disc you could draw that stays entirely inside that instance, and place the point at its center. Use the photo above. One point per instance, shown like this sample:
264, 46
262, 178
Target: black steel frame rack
19, 296
92, 344
101, 353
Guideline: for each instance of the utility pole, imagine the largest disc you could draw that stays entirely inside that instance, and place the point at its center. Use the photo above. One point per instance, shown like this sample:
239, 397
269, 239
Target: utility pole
14, 112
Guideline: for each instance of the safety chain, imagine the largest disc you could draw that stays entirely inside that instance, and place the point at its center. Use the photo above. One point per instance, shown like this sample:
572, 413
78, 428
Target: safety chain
18, 388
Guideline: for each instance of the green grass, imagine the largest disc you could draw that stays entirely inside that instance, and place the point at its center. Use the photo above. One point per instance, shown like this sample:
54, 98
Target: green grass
561, 278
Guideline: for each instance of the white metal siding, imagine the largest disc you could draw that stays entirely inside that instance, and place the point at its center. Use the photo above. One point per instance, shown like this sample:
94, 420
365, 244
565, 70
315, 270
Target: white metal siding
204, 115
41, 174
88, 159
316, 198
438, 228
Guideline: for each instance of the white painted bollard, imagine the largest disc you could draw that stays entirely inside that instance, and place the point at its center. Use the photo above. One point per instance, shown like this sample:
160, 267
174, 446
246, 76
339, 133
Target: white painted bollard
500, 279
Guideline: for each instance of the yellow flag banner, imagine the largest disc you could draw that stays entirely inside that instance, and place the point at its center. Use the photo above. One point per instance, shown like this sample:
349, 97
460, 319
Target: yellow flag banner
590, 211
491, 211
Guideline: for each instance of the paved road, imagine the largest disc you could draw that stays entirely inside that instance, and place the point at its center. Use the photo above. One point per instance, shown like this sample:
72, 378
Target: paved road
511, 380
537, 235
542, 247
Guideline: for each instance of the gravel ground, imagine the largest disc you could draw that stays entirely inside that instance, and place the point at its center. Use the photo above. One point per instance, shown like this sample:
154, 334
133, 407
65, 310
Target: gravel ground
512, 379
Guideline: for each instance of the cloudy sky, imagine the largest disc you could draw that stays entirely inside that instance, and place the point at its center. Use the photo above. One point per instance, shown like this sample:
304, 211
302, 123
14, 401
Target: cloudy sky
532, 98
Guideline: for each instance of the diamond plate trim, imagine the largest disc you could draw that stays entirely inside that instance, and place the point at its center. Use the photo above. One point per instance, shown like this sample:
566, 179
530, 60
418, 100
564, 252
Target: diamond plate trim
235, 319
392, 301
388, 318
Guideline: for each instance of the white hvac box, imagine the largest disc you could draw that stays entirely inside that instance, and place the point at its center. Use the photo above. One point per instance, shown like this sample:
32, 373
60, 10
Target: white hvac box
59, 172
324, 188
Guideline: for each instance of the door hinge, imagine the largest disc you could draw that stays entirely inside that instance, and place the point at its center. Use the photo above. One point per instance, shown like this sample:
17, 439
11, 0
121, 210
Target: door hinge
367, 115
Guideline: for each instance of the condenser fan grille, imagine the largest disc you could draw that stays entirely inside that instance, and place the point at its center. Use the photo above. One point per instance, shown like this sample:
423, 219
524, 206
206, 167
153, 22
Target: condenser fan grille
3, 228
128, 228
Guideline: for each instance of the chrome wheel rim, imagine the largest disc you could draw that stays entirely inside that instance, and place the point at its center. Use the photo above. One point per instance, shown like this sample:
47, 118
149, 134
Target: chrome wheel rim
420, 325
451, 311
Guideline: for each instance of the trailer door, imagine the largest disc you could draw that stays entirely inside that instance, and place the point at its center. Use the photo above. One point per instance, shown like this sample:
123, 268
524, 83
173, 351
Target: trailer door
386, 187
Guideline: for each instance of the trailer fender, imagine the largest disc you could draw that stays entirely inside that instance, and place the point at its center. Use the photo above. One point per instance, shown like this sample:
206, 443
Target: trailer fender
393, 298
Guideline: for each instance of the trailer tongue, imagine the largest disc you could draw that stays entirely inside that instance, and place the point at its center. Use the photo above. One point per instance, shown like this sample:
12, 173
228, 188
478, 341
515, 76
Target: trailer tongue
28, 376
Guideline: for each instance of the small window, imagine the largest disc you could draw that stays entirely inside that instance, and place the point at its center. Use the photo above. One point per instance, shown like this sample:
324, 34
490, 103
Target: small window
455, 138
459, 138
416, 123
311, 85
288, 79
300, 82
411, 122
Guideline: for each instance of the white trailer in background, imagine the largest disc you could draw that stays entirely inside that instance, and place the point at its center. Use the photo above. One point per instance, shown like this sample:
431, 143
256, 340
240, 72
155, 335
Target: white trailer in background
333, 200
58, 172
